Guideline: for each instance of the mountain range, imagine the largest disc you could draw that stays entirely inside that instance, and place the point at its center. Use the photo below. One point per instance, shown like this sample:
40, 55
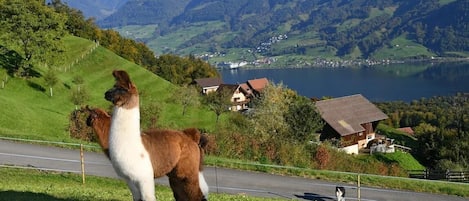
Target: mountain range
291, 30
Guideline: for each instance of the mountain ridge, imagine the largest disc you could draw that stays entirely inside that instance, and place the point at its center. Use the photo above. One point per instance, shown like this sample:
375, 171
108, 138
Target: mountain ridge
357, 29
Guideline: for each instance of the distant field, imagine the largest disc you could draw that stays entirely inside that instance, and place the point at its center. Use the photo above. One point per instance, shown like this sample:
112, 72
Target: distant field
171, 42
137, 31
402, 48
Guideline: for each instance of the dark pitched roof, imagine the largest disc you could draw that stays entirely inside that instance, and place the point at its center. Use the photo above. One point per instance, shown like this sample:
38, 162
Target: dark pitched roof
346, 114
209, 82
258, 84
229, 87
246, 88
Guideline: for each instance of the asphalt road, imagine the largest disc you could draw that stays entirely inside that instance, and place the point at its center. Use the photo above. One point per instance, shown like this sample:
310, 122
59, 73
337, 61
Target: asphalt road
220, 180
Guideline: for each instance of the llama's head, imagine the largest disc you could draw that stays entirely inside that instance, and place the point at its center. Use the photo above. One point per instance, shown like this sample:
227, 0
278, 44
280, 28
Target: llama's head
124, 93
96, 115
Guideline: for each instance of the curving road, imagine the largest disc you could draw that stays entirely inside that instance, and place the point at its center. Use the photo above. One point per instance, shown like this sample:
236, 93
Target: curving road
219, 179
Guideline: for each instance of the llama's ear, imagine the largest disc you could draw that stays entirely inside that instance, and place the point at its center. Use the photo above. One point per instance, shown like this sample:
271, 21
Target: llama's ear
122, 78
93, 114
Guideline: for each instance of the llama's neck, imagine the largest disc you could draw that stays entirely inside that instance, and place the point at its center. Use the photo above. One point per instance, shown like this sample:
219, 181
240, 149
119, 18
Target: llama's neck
125, 123
101, 127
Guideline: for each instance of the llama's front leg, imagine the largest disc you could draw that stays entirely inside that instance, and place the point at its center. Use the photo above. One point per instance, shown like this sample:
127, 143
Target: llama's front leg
136, 196
147, 189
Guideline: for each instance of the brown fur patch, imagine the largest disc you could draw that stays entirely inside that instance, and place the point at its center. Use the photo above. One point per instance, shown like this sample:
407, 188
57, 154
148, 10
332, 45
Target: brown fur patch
193, 133
100, 121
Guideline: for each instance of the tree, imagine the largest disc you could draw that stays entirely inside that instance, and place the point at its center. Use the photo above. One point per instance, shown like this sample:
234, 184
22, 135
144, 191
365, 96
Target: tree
51, 80
33, 30
150, 113
78, 80
269, 109
303, 119
186, 96
79, 97
218, 101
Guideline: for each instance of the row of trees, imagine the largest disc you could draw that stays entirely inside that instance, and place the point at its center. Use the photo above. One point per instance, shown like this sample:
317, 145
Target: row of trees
441, 126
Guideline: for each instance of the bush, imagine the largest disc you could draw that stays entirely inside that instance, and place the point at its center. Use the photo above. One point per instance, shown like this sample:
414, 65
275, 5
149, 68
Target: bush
78, 128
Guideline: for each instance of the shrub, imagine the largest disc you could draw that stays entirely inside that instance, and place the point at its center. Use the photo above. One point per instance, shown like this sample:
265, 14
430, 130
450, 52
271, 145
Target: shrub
78, 128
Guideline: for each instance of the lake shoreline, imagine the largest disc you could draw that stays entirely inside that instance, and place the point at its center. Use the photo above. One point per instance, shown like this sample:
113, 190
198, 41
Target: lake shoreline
322, 63
395, 82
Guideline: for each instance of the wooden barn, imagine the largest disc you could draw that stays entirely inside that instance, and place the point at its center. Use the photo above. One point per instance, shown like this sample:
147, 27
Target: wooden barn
352, 120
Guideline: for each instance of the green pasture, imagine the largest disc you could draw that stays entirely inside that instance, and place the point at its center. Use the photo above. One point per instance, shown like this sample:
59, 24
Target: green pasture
402, 47
28, 111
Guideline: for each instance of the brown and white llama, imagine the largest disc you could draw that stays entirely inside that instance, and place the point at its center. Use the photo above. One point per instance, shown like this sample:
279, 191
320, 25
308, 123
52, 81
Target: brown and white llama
139, 156
100, 121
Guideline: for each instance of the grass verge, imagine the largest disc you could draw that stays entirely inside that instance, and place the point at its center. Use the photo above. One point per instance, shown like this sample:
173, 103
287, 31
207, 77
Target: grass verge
27, 185
398, 183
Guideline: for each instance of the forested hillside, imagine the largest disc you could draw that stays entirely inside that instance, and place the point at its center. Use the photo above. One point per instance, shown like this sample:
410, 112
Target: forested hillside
339, 28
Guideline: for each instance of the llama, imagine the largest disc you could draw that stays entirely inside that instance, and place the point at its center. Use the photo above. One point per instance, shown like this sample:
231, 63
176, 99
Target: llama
100, 120
136, 155
128, 155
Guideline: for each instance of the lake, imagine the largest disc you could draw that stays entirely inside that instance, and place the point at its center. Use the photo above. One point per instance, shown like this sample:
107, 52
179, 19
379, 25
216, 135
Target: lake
393, 82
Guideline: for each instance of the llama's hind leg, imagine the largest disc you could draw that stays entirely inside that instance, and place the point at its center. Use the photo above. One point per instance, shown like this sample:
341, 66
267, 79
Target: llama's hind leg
186, 189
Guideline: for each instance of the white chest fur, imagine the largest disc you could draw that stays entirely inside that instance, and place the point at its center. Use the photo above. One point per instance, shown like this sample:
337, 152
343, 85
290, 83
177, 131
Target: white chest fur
129, 157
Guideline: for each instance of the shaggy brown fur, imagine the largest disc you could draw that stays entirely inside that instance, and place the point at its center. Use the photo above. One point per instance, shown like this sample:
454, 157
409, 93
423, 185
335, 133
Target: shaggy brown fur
100, 121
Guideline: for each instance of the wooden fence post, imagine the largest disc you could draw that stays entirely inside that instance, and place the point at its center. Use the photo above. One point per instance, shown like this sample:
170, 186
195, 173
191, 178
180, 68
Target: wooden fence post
358, 188
82, 163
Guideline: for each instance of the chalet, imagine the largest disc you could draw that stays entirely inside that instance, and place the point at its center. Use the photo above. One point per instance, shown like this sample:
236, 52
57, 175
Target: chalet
257, 85
238, 95
351, 119
209, 84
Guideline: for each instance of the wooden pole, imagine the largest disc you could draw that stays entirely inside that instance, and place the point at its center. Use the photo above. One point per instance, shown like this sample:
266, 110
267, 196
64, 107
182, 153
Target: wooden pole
82, 163
358, 188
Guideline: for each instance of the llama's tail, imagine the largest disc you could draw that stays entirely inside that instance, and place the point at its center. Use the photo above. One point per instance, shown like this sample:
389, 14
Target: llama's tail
202, 183
202, 142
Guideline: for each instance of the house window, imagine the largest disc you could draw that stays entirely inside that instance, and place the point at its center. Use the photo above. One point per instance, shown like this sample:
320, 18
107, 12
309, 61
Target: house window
360, 133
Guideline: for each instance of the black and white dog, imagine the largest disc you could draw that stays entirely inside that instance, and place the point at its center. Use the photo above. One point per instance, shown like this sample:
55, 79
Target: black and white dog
340, 193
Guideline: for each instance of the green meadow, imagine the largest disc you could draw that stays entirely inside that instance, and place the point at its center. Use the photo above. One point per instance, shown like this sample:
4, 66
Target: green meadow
28, 110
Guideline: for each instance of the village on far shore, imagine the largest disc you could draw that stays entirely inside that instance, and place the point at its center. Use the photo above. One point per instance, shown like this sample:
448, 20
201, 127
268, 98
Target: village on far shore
350, 121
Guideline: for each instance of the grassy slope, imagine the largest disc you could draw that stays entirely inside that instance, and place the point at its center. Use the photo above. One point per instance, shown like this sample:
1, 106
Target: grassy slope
29, 112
